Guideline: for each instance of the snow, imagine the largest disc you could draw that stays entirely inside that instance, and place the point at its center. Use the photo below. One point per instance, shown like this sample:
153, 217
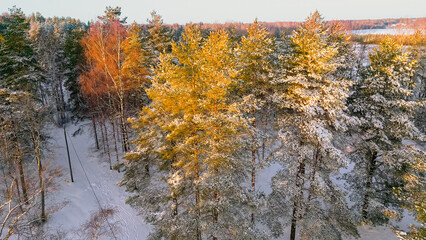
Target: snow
75, 202
366, 232
78, 199
392, 31
375, 233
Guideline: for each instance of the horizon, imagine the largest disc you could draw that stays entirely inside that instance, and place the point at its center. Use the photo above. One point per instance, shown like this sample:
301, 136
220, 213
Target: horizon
192, 11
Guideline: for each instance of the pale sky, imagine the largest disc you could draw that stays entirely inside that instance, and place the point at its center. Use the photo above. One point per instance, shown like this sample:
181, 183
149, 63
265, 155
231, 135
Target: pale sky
220, 11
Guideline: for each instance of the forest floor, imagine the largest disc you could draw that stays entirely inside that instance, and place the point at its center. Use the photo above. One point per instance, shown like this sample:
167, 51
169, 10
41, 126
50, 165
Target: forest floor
72, 204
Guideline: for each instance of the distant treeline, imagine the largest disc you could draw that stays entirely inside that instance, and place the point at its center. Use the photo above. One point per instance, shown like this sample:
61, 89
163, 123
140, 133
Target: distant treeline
278, 29
416, 39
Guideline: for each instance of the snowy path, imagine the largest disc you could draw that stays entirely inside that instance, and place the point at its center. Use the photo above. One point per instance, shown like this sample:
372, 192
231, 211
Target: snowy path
78, 196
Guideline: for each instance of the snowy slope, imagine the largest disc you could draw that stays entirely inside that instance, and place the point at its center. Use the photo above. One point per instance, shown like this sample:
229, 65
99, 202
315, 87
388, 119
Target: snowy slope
78, 197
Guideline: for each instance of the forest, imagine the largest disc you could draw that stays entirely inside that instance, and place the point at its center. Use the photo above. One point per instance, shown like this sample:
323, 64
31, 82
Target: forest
194, 118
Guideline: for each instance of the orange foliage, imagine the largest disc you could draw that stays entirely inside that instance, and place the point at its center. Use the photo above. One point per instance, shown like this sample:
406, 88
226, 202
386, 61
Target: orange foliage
115, 59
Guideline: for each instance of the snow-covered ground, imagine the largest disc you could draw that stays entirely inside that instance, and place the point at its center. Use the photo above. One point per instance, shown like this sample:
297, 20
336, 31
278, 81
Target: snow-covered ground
75, 202
77, 198
391, 31
366, 232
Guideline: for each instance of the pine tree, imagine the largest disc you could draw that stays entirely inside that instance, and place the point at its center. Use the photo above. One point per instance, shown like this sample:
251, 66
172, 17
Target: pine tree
48, 40
381, 103
159, 38
18, 67
254, 58
20, 81
22, 124
73, 51
159, 35
310, 104
194, 133
134, 67
413, 197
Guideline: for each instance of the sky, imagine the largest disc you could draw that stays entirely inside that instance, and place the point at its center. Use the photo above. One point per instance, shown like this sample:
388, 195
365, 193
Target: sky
220, 11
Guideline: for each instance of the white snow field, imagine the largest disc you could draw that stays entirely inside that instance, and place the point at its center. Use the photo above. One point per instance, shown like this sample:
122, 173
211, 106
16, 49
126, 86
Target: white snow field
75, 201
78, 197
391, 31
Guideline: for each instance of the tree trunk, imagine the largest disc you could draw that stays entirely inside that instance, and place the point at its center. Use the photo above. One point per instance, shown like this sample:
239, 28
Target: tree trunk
6, 158
40, 177
147, 168
253, 176
17, 190
315, 166
215, 212
68, 153
96, 132
63, 106
197, 200
124, 131
263, 153
175, 210
6, 185
297, 199
119, 136
107, 144
115, 142
370, 173
253, 168
22, 176
103, 136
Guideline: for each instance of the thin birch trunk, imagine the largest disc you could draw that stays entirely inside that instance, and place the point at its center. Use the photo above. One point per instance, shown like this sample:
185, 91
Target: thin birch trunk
115, 142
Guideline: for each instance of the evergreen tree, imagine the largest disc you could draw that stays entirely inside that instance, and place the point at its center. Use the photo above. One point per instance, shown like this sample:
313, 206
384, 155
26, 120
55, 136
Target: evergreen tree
413, 197
254, 60
49, 38
134, 68
75, 58
22, 116
381, 103
194, 133
159, 38
18, 67
310, 104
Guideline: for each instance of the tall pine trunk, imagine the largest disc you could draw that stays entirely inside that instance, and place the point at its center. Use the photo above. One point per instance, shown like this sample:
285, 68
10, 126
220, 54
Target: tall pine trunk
6, 145
40, 177
62, 98
253, 167
17, 190
215, 211
22, 176
197, 198
297, 199
314, 171
370, 173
